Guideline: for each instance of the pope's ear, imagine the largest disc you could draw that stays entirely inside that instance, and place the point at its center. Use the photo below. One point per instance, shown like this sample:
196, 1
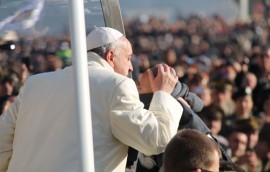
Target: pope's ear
109, 57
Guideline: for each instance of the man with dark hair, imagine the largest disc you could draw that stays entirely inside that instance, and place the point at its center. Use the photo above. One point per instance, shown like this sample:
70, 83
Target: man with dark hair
250, 126
212, 116
191, 150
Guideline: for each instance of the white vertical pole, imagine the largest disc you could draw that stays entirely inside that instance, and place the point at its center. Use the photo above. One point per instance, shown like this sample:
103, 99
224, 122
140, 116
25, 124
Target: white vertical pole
244, 8
79, 60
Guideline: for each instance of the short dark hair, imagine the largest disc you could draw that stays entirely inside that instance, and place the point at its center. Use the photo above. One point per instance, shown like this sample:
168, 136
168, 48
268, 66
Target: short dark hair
212, 112
189, 149
248, 125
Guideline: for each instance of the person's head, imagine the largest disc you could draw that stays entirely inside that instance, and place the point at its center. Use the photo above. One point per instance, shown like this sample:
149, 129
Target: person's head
6, 86
170, 57
266, 103
265, 60
251, 126
250, 80
243, 102
263, 146
190, 150
222, 91
113, 46
204, 93
53, 62
212, 116
9, 85
238, 143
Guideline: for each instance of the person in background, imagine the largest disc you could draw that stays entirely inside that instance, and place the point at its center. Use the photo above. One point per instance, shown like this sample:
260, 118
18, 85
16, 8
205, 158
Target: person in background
265, 114
262, 71
53, 62
244, 103
243, 109
251, 127
222, 91
212, 116
246, 79
262, 149
204, 92
237, 144
9, 87
191, 150
51, 142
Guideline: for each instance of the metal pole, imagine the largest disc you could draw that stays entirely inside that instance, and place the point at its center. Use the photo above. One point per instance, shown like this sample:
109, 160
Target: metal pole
79, 60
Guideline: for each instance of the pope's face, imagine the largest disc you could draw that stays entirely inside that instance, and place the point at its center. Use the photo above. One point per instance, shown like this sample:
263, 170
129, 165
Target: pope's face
122, 61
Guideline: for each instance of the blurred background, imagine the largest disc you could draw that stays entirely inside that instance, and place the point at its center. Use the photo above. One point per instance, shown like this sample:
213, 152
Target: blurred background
54, 15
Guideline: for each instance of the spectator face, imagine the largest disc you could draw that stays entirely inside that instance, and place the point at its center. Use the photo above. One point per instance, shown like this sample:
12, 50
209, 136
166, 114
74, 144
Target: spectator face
144, 62
244, 106
251, 80
40, 64
266, 61
238, 143
6, 88
221, 97
171, 57
54, 63
266, 106
263, 146
206, 96
214, 125
253, 138
263, 149
231, 72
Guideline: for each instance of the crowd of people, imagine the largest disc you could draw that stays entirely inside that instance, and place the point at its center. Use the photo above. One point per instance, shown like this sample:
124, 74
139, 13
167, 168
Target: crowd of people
226, 64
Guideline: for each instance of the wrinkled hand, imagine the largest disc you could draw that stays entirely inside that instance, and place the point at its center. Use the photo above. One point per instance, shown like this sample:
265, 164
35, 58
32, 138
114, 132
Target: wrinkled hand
165, 79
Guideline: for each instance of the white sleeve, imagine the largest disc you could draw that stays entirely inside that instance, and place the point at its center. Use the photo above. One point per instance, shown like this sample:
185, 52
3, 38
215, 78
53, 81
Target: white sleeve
148, 131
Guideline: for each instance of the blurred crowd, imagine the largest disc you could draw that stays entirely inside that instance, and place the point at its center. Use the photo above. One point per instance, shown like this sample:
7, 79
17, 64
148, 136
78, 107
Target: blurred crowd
225, 63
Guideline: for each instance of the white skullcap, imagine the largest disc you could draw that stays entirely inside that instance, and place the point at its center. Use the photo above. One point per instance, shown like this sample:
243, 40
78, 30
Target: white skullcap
101, 36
